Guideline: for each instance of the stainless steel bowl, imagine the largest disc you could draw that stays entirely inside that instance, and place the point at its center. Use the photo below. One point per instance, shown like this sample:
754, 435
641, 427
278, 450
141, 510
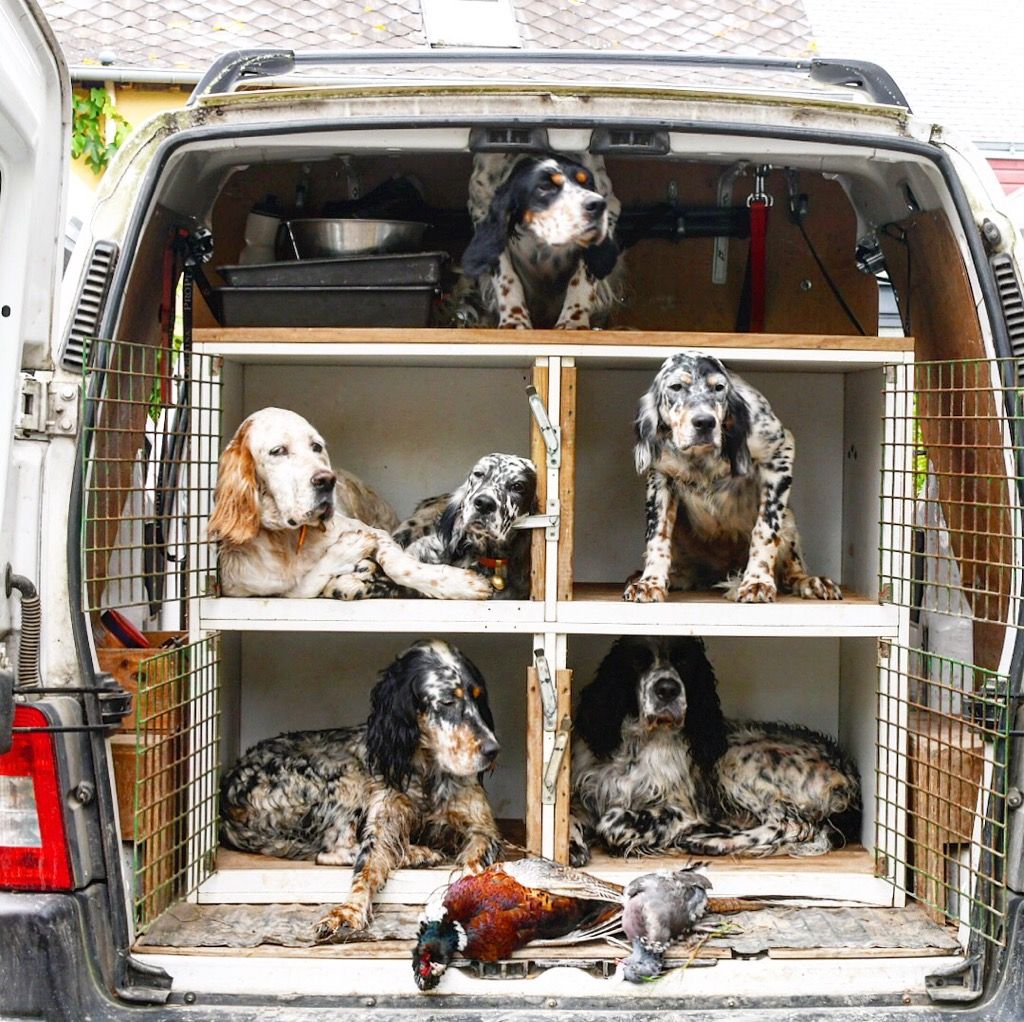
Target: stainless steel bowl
320, 238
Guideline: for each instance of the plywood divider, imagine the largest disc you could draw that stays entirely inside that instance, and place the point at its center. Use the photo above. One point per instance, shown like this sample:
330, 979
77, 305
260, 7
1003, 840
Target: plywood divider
534, 761
567, 482
538, 454
563, 687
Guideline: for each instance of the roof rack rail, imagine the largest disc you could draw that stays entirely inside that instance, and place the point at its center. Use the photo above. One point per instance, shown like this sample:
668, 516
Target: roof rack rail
226, 71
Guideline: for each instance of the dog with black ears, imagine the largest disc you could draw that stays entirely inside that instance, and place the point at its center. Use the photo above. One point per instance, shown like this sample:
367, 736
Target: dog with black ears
543, 253
719, 470
656, 766
474, 526
402, 790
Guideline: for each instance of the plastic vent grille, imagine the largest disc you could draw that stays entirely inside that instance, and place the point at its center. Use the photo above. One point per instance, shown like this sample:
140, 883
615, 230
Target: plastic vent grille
1011, 299
86, 320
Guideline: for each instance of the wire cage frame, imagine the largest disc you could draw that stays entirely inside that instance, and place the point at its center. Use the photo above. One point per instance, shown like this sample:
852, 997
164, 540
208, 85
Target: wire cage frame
151, 440
177, 741
951, 541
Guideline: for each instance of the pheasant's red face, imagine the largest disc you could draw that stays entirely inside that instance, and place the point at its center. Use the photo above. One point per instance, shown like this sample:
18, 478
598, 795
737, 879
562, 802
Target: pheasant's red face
427, 969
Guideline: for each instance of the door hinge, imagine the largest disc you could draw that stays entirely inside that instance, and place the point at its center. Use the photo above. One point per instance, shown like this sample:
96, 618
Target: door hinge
47, 408
554, 763
551, 434
548, 697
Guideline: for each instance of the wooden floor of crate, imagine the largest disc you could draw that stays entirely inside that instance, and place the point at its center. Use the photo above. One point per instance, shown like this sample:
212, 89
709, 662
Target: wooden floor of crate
777, 930
846, 875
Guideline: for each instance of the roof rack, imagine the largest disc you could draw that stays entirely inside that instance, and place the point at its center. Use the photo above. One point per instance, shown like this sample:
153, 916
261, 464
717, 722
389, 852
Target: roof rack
228, 70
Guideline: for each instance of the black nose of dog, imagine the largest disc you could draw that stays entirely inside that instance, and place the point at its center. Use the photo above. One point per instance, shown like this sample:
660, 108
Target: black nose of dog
484, 504
490, 749
595, 206
667, 689
703, 423
324, 481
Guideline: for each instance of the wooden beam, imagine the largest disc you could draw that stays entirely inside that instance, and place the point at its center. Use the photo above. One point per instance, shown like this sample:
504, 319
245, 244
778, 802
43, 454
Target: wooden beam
538, 454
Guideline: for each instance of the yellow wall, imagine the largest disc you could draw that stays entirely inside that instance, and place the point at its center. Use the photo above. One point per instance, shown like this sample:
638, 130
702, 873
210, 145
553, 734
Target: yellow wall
136, 103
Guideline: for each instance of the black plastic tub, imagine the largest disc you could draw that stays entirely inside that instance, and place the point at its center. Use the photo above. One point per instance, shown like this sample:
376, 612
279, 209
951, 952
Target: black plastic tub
322, 306
416, 270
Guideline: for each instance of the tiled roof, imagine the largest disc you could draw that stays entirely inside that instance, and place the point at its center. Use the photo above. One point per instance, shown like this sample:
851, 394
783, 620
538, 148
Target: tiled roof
190, 34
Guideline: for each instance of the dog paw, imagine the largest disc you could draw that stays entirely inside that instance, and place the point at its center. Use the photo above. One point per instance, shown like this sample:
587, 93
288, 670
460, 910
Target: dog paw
817, 587
645, 590
579, 855
420, 856
582, 323
477, 857
340, 923
755, 590
468, 585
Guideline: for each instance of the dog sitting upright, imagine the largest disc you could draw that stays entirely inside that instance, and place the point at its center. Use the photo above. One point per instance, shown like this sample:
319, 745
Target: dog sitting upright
543, 254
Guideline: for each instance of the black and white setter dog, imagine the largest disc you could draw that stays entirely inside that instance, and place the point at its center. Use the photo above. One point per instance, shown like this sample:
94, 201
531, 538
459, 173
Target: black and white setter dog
719, 468
401, 790
656, 766
543, 254
473, 527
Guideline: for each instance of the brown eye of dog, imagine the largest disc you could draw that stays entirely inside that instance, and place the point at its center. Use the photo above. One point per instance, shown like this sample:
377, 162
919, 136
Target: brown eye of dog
459, 693
476, 691
558, 179
278, 451
581, 177
675, 387
317, 448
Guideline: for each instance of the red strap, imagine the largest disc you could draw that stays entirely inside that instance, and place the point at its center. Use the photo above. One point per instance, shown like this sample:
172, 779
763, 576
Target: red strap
758, 229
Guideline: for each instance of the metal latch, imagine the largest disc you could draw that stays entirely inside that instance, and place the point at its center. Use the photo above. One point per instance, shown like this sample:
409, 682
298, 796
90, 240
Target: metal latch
47, 409
551, 435
549, 523
554, 764
548, 698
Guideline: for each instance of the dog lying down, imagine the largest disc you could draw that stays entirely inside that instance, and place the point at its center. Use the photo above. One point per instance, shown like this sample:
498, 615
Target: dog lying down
290, 525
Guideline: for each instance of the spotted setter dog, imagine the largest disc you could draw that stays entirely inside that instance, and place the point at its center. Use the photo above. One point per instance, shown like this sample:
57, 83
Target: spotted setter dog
473, 527
543, 253
719, 468
401, 790
656, 766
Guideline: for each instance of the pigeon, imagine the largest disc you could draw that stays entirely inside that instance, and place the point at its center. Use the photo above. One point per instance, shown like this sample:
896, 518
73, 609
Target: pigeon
657, 910
488, 915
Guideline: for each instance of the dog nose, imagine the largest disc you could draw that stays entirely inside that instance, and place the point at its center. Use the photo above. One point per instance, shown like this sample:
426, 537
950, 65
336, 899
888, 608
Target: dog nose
324, 480
484, 504
595, 206
667, 689
490, 749
703, 422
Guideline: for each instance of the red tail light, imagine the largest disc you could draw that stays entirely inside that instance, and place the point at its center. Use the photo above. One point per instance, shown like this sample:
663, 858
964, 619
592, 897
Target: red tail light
33, 848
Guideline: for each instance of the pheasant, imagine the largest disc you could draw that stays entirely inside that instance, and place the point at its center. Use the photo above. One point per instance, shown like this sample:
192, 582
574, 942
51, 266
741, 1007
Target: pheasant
658, 909
488, 915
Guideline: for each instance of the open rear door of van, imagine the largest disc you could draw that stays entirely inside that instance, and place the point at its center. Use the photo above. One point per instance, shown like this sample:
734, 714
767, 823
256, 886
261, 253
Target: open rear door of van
35, 114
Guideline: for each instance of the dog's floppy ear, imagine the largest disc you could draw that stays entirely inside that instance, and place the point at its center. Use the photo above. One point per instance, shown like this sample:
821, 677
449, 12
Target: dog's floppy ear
448, 523
735, 434
705, 723
491, 236
236, 509
600, 259
393, 730
648, 431
610, 698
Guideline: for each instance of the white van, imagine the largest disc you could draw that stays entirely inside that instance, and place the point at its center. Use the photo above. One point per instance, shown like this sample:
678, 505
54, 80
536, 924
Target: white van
131, 681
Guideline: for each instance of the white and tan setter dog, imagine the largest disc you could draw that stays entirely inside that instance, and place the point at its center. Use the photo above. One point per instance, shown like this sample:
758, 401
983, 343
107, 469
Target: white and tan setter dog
543, 253
401, 790
290, 525
719, 468
656, 766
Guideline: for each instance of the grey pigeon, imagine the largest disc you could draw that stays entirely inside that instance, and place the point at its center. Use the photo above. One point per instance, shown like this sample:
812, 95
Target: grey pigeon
658, 909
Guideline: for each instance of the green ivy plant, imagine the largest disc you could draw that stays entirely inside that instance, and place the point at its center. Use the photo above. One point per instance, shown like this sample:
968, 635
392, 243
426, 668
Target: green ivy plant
89, 117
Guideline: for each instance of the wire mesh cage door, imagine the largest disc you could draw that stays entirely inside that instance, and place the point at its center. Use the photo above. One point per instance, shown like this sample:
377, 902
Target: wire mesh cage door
151, 441
951, 544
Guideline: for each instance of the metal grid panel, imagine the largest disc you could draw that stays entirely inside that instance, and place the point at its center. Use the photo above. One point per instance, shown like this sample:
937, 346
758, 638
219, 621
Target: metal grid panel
151, 441
177, 717
951, 542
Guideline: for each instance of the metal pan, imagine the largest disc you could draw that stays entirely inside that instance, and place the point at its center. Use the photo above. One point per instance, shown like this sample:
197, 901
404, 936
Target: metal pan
419, 270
